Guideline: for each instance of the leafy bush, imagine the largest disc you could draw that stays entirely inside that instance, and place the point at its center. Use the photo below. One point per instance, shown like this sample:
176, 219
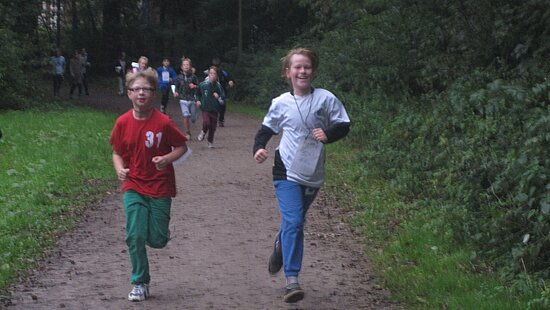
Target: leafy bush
12, 80
261, 79
450, 102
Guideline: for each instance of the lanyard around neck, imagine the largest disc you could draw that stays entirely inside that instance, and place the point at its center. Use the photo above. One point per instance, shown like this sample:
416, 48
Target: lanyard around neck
309, 103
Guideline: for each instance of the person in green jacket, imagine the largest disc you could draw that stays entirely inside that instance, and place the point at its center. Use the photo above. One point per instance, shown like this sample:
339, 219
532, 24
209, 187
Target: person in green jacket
210, 98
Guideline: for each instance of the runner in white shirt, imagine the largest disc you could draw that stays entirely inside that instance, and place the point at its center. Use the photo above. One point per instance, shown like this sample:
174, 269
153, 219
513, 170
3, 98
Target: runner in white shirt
309, 119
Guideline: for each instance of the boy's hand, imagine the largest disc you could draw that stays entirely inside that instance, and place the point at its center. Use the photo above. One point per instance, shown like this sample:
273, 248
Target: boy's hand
192, 86
176, 94
198, 104
122, 173
160, 162
319, 135
215, 94
260, 156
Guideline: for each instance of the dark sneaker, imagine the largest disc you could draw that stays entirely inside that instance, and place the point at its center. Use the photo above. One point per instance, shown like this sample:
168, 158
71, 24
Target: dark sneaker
276, 258
221, 124
293, 293
140, 292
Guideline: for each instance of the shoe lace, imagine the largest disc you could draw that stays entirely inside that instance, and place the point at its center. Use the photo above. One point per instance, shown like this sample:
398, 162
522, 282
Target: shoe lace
137, 290
292, 286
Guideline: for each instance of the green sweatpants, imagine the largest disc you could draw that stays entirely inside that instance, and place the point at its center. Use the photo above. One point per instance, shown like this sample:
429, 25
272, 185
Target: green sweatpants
147, 222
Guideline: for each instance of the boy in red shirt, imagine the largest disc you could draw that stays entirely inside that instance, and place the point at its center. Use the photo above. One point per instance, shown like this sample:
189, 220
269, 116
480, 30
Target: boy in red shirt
145, 143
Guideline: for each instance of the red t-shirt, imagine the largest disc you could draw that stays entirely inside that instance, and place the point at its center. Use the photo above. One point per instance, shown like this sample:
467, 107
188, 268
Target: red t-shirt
137, 142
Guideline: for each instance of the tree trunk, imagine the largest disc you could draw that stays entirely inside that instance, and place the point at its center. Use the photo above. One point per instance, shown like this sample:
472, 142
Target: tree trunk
112, 43
240, 39
58, 24
92, 16
74, 28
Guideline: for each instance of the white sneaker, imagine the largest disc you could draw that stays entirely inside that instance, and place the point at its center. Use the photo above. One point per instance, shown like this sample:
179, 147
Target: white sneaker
201, 136
210, 145
140, 292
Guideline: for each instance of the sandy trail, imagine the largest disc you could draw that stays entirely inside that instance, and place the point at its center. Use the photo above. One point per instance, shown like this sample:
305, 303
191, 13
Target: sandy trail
223, 222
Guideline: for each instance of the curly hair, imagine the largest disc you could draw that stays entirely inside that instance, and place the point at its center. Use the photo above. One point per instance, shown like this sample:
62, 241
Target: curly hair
299, 51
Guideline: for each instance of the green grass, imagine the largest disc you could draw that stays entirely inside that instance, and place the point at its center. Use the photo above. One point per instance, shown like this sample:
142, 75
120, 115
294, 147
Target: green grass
247, 109
411, 257
422, 269
52, 164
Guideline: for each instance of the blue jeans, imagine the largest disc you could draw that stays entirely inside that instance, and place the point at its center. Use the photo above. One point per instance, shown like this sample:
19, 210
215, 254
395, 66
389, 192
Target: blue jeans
294, 201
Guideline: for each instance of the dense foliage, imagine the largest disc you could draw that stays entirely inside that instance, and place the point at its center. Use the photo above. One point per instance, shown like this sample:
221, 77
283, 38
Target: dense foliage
18, 62
449, 101
470, 129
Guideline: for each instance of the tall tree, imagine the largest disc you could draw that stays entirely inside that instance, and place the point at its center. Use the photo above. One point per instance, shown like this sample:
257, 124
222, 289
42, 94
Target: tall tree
240, 39
74, 25
58, 23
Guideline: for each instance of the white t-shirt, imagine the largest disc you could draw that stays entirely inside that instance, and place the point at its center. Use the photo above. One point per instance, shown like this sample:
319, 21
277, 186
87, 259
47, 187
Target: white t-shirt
297, 116
58, 65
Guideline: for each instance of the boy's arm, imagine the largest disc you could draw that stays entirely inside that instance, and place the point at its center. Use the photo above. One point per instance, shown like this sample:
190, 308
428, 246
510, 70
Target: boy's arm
120, 170
337, 132
198, 94
221, 93
230, 81
260, 141
162, 161
263, 136
178, 85
195, 81
173, 74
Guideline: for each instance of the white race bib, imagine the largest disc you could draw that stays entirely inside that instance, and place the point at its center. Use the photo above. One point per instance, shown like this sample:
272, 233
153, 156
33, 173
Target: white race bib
307, 156
165, 76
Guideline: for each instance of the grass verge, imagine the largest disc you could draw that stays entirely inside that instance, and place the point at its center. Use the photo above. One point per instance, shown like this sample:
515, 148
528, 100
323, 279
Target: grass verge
422, 269
52, 165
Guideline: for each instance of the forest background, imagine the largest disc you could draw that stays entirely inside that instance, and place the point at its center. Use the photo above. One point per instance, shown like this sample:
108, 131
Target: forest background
449, 100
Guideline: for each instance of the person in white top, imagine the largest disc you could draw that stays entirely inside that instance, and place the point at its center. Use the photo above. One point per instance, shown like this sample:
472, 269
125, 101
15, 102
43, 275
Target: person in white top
58, 62
309, 118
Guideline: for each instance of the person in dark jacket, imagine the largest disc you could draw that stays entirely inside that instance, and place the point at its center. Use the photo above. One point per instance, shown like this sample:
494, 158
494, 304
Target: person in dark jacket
121, 68
186, 89
227, 82
210, 98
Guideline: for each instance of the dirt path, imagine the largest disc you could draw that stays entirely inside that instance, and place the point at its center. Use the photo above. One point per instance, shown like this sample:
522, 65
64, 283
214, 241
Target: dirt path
223, 223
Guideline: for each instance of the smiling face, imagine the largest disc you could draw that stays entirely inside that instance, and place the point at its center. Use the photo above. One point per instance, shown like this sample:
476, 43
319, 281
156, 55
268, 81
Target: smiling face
141, 94
300, 74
